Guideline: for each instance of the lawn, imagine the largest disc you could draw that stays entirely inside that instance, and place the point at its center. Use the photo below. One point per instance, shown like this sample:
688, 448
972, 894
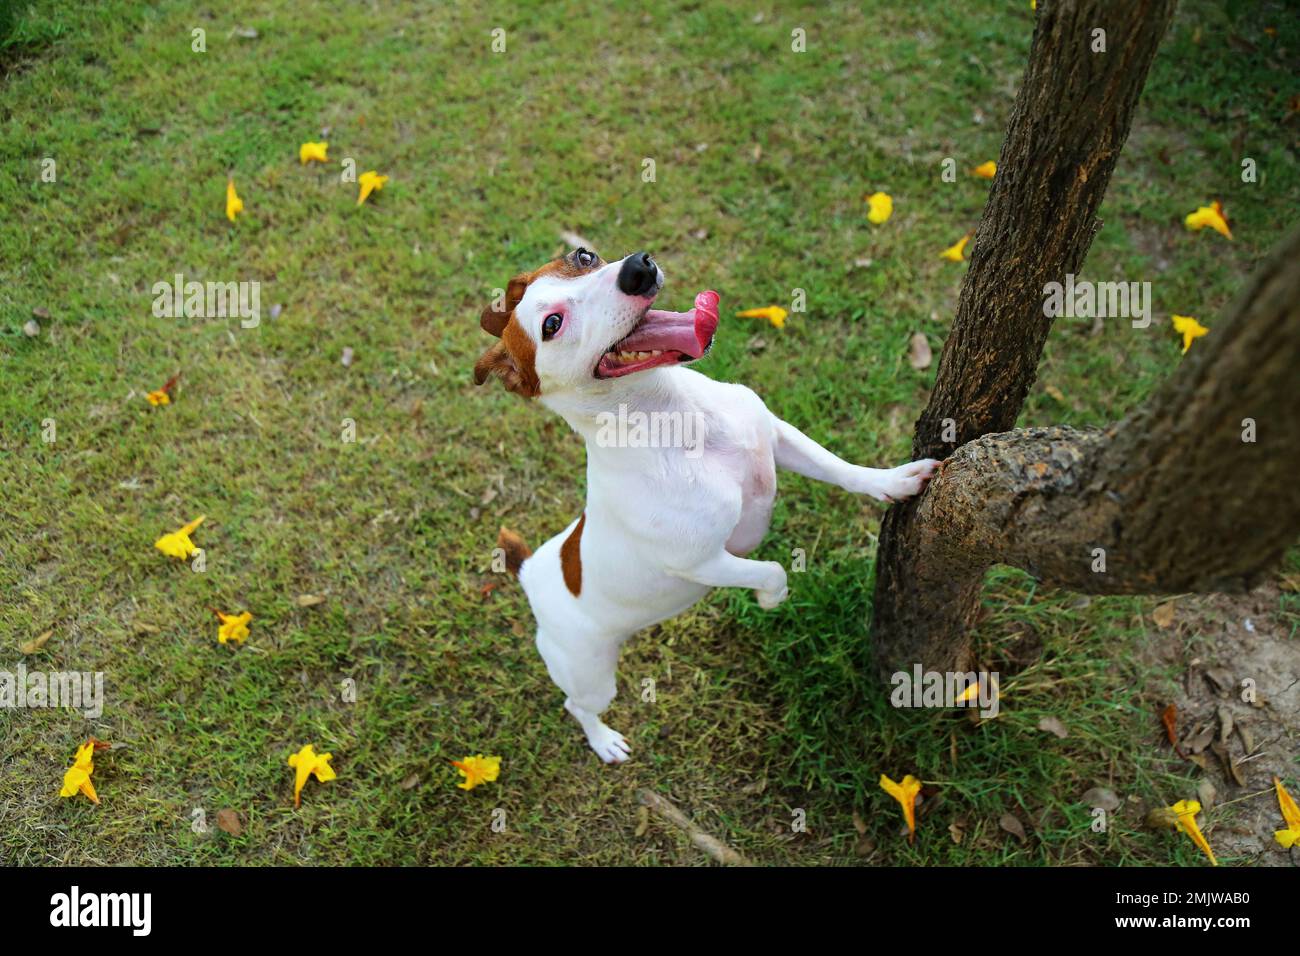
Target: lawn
762, 157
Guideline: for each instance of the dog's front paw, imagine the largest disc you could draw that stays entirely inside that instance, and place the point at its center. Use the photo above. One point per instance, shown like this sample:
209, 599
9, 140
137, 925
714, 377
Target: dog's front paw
775, 591
609, 744
905, 481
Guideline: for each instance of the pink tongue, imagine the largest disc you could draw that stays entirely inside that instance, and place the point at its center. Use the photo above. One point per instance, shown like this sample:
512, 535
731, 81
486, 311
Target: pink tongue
687, 332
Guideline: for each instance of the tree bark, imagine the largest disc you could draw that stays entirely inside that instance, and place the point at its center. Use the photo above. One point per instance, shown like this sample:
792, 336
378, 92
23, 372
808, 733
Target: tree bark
1069, 122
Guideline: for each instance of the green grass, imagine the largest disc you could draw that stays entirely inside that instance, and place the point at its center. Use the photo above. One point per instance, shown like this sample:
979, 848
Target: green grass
491, 156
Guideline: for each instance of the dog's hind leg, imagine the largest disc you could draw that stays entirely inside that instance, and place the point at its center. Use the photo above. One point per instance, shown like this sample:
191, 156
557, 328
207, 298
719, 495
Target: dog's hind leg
725, 570
584, 669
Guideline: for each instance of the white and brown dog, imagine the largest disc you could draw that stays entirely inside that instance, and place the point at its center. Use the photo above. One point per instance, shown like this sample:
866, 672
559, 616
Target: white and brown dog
662, 524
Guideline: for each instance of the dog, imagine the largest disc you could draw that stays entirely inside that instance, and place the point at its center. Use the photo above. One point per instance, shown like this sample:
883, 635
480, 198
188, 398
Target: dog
662, 524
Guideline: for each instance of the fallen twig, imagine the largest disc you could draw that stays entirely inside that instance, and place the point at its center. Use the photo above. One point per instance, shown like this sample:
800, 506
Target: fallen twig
709, 844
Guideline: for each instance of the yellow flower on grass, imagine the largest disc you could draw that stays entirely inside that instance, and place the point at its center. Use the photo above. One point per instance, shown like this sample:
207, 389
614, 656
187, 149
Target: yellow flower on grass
1291, 814
956, 253
880, 206
773, 313
162, 396
178, 543
905, 793
234, 204
1186, 811
313, 152
477, 770
370, 182
234, 627
1188, 328
305, 763
1212, 216
77, 778
985, 170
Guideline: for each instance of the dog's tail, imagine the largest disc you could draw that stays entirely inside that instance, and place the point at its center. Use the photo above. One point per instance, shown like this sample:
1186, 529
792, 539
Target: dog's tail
516, 551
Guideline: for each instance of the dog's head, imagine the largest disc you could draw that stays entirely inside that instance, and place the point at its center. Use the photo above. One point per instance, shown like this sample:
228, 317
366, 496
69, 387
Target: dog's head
579, 320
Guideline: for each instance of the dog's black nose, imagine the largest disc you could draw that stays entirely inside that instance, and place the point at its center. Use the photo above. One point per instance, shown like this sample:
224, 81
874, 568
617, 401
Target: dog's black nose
638, 274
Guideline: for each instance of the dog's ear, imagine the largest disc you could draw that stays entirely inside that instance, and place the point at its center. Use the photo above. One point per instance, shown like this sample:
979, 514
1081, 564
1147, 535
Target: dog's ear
493, 320
499, 362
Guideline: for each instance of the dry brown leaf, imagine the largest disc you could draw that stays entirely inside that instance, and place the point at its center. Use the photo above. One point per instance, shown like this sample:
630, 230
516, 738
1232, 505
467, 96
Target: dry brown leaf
1055, 392
1200, 740
1206, 794
1230, 767
410, 782
1164, 614
957, 831
36, 643
1225, 724
1053, 726
1247, 738
1221, 679
310, 600
642, 821
228, 820
1169, 717
919, 355
1012, 825
1102, 797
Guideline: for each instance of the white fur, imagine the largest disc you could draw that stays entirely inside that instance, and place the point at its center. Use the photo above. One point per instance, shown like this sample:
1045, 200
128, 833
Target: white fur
663, 525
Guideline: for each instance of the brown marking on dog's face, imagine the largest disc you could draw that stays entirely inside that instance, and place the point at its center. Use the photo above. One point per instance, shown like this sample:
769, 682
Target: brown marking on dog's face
571, 557
513, 359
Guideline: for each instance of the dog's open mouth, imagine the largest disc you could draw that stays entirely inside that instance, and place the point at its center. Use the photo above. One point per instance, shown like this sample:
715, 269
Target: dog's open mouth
663, 338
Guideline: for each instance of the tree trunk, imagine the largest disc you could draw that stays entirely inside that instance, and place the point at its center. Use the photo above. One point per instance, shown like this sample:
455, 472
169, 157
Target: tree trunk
1069, 123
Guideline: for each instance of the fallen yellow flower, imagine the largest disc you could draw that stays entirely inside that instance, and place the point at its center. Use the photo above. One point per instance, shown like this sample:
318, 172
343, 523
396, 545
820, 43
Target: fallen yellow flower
880, 206
1186, 810
178, 543
955, 253
985, 170
1291, 814
477, 770
313, 152
77, 778
234, 627
162, 396
773, 313
370, 182
233, 203
905, 793
305, 763
1188, 328
1212, 216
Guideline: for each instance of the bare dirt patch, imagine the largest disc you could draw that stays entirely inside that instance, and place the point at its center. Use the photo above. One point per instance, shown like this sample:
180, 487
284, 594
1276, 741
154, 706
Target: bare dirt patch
1239, 711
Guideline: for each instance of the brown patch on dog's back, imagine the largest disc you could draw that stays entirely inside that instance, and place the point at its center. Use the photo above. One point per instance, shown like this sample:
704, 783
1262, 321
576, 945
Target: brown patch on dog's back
571, 557
516, 551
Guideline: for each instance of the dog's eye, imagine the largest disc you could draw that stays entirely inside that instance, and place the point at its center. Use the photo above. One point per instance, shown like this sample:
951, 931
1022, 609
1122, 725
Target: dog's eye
586, 258
550, 325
